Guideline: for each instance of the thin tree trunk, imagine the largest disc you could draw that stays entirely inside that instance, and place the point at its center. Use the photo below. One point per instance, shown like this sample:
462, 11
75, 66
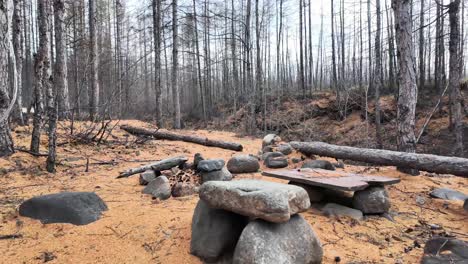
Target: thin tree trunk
157, 60
93, 61
175, 66
61, 67
19, 53
378, 77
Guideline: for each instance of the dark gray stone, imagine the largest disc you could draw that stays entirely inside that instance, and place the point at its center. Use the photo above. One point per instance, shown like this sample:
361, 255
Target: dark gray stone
448, 194
465, 205
196, 159
78, 208
276, 162
214, 232
146, 177
318, 164
159, 188
181, 189
332, 209
339, 164
210, 165
270, 139
316, 194
373, 200
296, 160
275, 154
440, 250
292, 242
243, 164
267, 149
220, 175
285, 148
271, 201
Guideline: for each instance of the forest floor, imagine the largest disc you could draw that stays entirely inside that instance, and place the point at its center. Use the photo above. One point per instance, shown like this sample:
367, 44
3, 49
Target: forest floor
137, 229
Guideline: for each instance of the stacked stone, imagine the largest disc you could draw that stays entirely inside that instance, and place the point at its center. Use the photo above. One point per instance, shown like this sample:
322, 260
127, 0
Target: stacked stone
251, 221
213, 170
274, 152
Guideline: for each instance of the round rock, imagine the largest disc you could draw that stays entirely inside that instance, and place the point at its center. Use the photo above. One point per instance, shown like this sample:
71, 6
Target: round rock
285, 148
159, 188
146, 177
292, 242
373, 200
271, 201
210, 165
243, 164
332, 209
318, 164
275, 154
448, 194
220, 175
276, 162
214, 232
181, 189
78, 208
270, 139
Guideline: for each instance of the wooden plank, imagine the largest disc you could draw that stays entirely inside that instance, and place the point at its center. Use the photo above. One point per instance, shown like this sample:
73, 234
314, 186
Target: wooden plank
331, 179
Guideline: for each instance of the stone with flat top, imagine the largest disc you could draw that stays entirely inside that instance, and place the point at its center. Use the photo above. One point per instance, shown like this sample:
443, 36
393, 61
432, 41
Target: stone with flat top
335, 180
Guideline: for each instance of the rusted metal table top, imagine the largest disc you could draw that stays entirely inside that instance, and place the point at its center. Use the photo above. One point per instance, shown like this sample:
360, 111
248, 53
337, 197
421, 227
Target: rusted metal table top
336, 180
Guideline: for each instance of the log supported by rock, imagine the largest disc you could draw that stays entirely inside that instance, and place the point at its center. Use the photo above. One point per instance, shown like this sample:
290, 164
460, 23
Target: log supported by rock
161, 165
424, 162
138, 131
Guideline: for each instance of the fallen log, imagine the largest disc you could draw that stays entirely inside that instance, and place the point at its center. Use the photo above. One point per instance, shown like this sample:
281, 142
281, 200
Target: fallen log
161, 165
425, 162
138, 131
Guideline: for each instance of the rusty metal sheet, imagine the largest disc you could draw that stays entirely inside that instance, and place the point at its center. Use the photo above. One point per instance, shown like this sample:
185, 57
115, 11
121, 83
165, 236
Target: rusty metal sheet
331, 179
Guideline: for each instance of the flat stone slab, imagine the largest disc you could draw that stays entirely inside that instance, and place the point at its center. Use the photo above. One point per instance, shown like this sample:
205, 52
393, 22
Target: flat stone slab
273, 202
335, 180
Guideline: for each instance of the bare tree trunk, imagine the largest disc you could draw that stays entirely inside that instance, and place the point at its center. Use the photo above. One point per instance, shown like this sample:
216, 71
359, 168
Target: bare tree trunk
408, 92
6, 15
61, 66
301, 49
157, 59
259, 73
378, 77
19, 53
175, 66
42, 69
335, 77
454, 81
422, 72
199, 75
93, 61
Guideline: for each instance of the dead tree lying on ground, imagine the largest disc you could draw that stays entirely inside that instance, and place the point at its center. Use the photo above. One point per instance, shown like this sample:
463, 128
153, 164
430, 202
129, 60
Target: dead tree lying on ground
138, 131
424, 162
161, 165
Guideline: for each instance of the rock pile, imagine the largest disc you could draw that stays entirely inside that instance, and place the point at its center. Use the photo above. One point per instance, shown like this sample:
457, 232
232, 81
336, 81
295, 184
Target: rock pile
213, 170
250, 221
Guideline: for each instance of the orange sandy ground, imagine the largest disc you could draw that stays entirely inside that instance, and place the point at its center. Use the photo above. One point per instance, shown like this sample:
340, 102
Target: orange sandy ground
137, 229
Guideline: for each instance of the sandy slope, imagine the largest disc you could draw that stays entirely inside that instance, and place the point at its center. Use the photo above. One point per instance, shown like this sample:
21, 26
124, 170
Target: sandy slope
137, 229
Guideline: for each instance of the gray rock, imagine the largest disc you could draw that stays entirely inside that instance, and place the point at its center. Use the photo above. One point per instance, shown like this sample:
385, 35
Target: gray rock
276, 162
196, 159
373, 200
210, 165
270, 139
285, 148
267, 149
243, 164
448, 194
275, 154
465, 205
78, 208
296, 160
214, 232
339, 164
146, 177
274, 202
332, 209
292, 242
453, 251
181, 189
159, 188
316, 194
420, 200
220, 175
318, 164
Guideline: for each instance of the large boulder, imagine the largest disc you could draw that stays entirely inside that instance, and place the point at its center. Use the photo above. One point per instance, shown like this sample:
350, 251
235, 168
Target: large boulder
274, 154
159, 188
147, 176
373, 200
243, 164
276, 163
210, 165
285, 148
292, 242
78, 208
220, 175
214, 232
332, 209
274, 202
441, 250
270, 139
448, 194
318, 164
